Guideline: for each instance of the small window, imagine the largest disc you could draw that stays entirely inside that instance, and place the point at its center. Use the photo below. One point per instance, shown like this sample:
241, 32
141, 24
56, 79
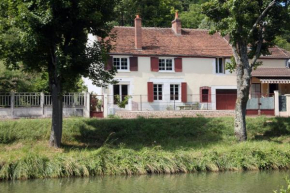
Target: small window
121, 63
157, 92
121, 90
219, 66
205, 95
174, 92
165, 65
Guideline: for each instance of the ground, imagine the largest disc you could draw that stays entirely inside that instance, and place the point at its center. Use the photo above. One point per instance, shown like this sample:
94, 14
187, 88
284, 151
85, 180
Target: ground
141, 146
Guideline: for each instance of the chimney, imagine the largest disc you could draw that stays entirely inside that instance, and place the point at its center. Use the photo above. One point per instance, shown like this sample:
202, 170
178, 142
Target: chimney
138, 33
176, 24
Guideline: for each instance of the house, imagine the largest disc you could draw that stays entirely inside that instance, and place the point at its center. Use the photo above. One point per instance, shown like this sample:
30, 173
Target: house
165, 68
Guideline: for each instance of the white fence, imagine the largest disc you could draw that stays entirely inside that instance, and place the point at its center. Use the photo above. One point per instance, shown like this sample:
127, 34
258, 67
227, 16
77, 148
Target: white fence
15, 105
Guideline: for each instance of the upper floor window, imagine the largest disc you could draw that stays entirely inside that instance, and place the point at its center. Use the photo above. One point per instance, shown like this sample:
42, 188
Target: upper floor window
165, 64
121, 63
219, 66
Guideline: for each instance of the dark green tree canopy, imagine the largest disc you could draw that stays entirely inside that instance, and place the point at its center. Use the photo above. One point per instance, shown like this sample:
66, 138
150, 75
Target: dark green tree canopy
32, 30
240, 20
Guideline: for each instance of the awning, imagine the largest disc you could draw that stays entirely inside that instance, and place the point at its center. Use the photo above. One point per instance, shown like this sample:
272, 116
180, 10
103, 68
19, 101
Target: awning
274, 81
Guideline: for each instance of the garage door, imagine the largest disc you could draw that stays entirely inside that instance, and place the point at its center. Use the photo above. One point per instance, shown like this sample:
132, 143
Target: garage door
226, 99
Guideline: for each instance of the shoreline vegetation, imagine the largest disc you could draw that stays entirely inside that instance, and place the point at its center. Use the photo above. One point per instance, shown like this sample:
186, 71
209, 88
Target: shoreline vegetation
92, 147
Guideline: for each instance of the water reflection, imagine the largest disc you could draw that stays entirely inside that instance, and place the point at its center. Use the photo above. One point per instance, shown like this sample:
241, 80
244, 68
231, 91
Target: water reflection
227, 182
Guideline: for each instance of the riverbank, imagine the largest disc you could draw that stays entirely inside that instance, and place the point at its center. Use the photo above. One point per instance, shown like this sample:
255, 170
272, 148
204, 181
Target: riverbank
140, 146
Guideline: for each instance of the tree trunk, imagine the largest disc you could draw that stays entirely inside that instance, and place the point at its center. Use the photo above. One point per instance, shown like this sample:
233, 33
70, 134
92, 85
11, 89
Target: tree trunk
56, 126
243, 86
56, 94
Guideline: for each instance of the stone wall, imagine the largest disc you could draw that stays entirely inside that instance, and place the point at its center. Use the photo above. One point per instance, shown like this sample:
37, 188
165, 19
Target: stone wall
174, 114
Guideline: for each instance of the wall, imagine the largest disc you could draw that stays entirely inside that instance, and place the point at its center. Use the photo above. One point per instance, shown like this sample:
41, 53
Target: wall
46, 111
172, 114
273, 63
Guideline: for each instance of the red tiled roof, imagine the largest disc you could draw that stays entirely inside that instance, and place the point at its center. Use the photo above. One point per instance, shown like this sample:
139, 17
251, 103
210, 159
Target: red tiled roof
163, 42
271, 72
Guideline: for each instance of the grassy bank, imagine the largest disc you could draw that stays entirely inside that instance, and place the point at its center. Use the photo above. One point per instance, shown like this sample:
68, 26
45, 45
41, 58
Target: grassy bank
108, 147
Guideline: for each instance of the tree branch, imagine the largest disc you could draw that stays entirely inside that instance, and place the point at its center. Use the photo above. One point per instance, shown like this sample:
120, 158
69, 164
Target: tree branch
258, 50
261, 17
236, 54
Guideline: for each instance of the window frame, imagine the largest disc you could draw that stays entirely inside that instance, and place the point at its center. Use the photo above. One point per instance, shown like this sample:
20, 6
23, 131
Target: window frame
217, 65
120, 92
172, 63
208, 98
162, 92
179, 91
120, 63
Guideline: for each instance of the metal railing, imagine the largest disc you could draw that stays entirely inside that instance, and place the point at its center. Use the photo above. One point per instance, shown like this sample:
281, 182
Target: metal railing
25, 99
70, 99
5, 100
164, 102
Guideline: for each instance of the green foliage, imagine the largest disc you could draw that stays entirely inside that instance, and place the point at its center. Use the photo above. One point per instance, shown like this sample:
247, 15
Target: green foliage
283, 190
13, 80
154, 13
193, 17
122, 103
19, 81
51, 36
140, 146
283, 42
239, 27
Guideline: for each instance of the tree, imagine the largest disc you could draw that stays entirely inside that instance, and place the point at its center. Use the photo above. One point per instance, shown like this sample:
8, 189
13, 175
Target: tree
18, 80
154, 13
51, 36
193, 17
252, 26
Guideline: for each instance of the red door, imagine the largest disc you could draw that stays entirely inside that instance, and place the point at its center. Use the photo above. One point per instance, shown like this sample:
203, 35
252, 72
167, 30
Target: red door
226, 99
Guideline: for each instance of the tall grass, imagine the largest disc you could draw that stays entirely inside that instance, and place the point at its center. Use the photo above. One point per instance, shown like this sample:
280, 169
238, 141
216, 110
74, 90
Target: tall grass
141, 146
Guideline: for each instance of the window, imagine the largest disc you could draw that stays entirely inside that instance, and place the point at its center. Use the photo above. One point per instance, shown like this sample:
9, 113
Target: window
255, 90
157, 92
219, 66
121, 63
165, 65
121, 90
205, 95
174, 92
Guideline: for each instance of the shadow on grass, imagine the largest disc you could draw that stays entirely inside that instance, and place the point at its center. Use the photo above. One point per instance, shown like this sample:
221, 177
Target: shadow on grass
274, 128
138, 133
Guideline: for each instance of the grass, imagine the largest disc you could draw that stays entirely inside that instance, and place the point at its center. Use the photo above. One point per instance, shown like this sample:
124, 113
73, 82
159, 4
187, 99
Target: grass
140, 146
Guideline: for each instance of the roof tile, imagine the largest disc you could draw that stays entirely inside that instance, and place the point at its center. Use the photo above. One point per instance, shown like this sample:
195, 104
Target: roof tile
192, 43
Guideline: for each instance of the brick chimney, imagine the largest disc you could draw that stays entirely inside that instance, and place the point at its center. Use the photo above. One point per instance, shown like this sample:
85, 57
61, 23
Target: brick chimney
138, 33
176, 24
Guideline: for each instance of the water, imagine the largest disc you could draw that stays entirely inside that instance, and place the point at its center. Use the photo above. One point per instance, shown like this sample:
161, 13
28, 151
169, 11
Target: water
225, 182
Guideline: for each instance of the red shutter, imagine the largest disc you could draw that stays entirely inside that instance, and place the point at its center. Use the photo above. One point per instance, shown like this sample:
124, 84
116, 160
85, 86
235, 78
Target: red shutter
184, 92
150, 91
209, 94
154, 64
178, 64
200, 94
109, 64
133, 64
